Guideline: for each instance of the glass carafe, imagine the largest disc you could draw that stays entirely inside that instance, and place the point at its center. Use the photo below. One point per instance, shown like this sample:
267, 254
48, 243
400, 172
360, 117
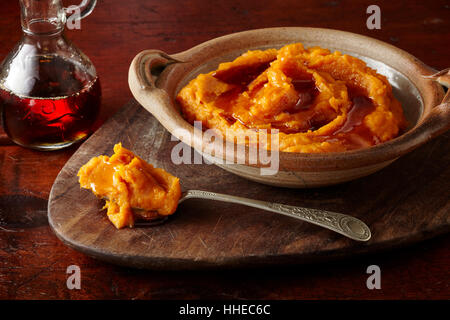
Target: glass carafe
49, 90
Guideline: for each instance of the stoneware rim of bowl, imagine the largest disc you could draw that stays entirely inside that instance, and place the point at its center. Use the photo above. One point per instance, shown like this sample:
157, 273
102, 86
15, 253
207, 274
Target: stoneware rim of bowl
155, 77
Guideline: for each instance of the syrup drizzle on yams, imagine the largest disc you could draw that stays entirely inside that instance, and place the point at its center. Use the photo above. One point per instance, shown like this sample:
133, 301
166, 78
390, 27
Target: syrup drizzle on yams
352, 133
241, 75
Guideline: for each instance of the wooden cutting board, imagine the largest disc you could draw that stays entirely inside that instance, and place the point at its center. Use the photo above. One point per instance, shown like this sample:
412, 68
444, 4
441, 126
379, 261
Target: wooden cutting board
402, 204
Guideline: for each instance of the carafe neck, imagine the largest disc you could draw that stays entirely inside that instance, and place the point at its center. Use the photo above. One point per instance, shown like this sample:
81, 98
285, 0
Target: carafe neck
42, 17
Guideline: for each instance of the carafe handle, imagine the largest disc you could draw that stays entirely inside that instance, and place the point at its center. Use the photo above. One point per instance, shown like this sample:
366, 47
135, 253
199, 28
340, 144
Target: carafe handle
84, 9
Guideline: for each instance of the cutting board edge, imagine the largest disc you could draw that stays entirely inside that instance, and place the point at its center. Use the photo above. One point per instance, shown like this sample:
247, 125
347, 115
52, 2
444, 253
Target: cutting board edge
253, 261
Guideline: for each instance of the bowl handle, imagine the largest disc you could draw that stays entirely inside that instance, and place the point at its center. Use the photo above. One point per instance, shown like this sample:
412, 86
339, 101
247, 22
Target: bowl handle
148, 65
143, 76
438, 121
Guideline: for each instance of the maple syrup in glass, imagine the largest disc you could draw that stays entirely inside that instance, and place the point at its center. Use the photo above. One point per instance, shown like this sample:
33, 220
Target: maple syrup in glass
49, 90
65, 115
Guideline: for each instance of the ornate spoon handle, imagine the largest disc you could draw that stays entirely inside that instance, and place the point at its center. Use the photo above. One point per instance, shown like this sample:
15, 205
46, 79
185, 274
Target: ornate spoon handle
346, 225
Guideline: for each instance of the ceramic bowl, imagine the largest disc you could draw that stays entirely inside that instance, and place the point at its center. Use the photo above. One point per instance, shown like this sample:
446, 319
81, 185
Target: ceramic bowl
155, 78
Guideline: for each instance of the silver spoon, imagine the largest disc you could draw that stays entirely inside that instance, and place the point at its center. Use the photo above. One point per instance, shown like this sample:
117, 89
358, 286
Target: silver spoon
346, 225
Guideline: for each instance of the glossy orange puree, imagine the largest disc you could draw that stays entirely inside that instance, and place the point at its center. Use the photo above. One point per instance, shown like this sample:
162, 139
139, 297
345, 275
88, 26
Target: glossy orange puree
318, 100
127, 182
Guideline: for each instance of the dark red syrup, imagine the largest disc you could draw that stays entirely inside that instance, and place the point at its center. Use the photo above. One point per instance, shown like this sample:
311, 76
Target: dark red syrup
66, 114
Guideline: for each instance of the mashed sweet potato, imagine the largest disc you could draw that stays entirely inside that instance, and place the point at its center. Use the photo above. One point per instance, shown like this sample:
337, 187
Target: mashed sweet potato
319, 101
126, 181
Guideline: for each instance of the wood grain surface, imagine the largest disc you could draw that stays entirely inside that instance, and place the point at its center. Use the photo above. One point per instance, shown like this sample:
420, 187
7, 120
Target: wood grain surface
401, 205
33, 260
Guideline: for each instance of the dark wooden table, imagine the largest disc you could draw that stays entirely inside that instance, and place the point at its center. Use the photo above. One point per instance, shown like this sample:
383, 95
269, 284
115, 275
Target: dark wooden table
33, 261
